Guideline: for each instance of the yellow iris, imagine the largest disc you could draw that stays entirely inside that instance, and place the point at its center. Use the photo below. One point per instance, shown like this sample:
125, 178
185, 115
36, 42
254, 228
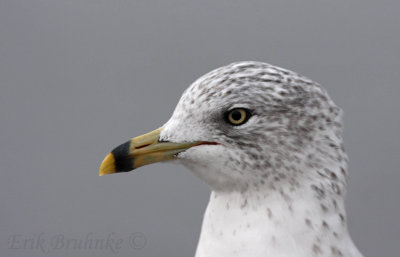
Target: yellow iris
237, 116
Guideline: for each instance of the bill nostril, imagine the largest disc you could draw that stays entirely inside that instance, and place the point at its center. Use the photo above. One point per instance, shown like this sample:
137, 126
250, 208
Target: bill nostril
141, 146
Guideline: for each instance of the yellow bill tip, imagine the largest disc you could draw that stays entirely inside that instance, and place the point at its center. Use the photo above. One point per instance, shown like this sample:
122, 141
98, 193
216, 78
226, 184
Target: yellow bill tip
108, 165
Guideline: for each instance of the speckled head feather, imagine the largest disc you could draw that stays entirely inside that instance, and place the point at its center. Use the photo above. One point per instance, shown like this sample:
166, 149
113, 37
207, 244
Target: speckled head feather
293, 125
278, 180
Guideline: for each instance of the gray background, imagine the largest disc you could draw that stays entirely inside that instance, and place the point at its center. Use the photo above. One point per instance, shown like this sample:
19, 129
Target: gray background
79, 77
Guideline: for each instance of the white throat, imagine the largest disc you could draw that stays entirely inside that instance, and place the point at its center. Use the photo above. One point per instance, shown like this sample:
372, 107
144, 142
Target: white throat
267, 224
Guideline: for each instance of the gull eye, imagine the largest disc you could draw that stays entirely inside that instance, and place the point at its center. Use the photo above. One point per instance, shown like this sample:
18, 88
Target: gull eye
237, 116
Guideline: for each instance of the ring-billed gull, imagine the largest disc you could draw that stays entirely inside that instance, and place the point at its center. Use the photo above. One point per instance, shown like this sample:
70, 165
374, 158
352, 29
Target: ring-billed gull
268, 142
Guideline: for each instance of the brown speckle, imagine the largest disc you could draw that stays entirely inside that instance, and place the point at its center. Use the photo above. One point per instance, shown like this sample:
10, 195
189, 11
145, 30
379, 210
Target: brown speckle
342, 218
325, 225
269, 213
244, 204
308, 223
324, 208
317, 249
336, 251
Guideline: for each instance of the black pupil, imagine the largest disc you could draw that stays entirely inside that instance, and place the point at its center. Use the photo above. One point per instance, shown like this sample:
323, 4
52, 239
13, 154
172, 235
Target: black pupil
236, 115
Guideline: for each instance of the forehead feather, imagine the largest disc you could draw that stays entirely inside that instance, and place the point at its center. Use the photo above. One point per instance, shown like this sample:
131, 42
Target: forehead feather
256, 82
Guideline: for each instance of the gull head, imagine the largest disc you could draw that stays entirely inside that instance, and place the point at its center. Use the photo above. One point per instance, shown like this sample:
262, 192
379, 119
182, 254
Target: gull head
247, 124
